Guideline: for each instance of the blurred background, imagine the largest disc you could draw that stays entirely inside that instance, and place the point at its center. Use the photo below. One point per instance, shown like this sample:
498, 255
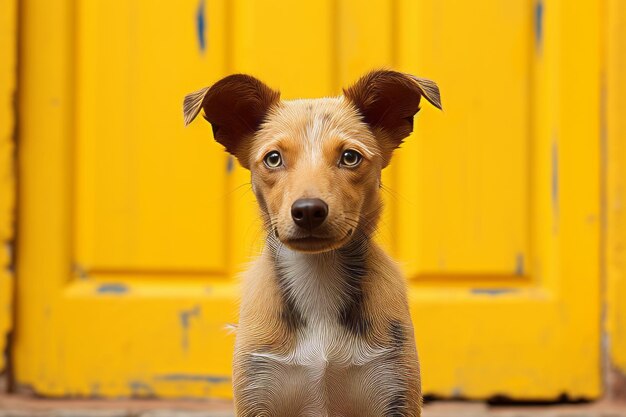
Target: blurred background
123, 232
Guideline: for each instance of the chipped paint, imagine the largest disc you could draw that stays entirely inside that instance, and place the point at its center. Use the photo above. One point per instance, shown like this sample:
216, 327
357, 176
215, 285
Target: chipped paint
80, 272
492, 291
538, 26
555, 186
95, 389
210, 379
519, 265
140, 389
112, 288
201, 26
9, 254
185, 319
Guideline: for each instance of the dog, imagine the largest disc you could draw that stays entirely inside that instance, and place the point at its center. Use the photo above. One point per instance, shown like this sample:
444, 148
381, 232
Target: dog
324, 326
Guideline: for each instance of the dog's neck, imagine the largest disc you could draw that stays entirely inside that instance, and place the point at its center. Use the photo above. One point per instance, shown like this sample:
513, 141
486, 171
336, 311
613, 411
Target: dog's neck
323, 286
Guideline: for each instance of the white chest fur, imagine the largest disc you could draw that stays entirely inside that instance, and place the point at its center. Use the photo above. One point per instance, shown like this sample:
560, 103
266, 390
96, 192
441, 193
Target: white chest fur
317, 286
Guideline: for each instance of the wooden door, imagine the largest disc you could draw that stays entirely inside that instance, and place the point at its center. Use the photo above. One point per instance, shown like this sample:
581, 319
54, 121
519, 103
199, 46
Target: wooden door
132, 229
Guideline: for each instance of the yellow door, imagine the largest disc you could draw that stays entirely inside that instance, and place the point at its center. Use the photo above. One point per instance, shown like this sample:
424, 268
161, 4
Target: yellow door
132, 228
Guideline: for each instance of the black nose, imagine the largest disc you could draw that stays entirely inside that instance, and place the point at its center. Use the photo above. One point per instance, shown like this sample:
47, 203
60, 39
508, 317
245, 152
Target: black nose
309, 213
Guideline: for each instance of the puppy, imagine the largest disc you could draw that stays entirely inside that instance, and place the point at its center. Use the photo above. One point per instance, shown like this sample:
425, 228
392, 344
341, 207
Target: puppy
324, 324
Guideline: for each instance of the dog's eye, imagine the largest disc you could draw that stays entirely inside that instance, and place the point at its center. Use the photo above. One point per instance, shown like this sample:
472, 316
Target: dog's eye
273, 159
351, 158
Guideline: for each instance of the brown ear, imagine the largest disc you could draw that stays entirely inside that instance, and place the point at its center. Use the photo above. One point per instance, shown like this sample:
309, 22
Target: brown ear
236, 107
388, 100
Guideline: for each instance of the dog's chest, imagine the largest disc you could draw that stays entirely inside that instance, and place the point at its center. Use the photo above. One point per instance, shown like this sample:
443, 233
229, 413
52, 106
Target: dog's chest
330, 368
318, 288
324, 347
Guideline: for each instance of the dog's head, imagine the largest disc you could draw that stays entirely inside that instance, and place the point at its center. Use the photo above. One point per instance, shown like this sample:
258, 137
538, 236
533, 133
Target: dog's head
315, 164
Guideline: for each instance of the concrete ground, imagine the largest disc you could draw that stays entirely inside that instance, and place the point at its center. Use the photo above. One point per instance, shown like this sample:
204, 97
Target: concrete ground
18, 406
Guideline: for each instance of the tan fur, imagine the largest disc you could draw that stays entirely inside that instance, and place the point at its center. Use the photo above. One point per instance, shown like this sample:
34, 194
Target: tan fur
324, 324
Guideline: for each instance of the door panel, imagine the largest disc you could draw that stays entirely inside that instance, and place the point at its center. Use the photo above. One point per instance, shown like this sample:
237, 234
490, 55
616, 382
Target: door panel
132, 228
470, 173
147, 200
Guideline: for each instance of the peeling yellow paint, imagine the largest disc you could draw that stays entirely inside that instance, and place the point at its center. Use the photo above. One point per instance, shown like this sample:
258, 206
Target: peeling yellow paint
8, 47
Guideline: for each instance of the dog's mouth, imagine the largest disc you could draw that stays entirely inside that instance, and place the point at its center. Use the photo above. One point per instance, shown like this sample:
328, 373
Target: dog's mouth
313, 244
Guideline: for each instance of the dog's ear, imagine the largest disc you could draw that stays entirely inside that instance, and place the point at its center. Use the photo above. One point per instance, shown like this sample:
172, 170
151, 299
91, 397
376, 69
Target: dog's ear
236, 107
388, 100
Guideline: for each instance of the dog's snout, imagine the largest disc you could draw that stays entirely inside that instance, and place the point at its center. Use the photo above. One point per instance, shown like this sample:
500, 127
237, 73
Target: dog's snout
309, 213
